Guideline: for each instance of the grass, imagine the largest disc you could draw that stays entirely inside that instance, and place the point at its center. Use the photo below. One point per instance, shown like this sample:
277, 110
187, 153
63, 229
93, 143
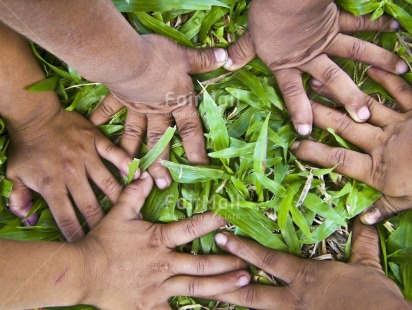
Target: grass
253, 180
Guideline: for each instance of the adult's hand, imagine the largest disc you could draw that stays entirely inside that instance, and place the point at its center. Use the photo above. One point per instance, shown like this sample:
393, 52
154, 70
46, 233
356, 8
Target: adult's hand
385, 141
131, 264
57, 160
310, 284
294, 37
160, 95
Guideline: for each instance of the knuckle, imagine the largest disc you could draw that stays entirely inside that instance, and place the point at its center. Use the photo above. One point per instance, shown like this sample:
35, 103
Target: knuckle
268, 259
306, 275
160, 266
202, 265
67, 223
191, 229
158, 237
356, 50
250, 297
360, 22
330, 74
292, 89
154, 135
69, 167
194, 288
91, 210
344, 123
110, 149
189, 129
338, 157
133, 130
110, 185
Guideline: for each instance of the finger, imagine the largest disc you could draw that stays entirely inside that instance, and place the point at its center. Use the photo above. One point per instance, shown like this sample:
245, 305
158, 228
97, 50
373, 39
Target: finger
105, 110
205, 265
381, 116
20, 202
133, 198
352, 164
241, 53
205, 60
384, 208
365, 246
397, 87
259, 296
352, 48
86, 201
182, 232
206, 286
353, 23
281, 265
190, 129
134, 133
296, 100
104, 180
367, 137
64, 215
157, 125
118, 157
341, 85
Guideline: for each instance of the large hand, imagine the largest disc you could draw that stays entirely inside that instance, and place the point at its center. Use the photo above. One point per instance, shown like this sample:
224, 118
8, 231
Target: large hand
56, 160
163, 92
310, 284
131, 264
386, 141
293, 37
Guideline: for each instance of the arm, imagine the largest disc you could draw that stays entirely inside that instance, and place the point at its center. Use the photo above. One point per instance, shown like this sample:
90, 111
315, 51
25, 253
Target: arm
103, 271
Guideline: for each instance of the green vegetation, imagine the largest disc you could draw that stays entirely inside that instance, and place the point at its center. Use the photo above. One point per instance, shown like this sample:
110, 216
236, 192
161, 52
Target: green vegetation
253, 180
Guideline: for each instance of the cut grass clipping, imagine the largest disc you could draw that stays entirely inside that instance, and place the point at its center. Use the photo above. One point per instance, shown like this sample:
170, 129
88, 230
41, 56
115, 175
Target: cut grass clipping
253, 181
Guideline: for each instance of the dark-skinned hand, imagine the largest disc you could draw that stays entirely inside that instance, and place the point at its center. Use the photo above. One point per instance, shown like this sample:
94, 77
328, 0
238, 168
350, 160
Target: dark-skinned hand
310, 284
294, 37
160, 95
385, 140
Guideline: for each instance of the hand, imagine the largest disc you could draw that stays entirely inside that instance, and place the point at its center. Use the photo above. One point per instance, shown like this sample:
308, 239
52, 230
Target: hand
310, 284
162, 92
56, 160
131, 264
386, 141
293, 37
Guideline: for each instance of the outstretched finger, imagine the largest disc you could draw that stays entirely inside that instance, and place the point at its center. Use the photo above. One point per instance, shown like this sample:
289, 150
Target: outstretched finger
241, 52
296, 100
20, 202
397, 87
182, 232
365, 246
190, 129
134, 132
206, 286
352, 48
157, 125
281, 265
341, 85
105, 110
352, 23
352, 164
366, 136
133, 198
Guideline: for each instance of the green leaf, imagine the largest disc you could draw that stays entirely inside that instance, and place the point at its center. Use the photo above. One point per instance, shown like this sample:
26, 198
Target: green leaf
165, 5
259, 155
133, 167
48, 84
317, 205
191, 174
271, 185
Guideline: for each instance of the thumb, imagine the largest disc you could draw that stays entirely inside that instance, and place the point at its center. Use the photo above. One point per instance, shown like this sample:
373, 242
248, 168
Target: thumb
365, 245
384, 208
105, 110
205, 60
133, 198
20, 202
240, 53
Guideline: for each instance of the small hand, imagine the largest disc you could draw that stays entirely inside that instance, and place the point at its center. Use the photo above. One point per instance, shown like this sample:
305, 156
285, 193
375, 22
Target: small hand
310, 284
132, 264
57, 160
386, 141
293, 37
161, 94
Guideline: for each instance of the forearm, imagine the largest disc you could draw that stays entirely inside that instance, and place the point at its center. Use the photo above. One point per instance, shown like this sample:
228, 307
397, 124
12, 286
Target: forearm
40, 274
18, 69
89, 35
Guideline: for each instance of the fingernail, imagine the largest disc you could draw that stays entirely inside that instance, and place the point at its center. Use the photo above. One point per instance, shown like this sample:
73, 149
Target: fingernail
144, 175
395, 25
243, 280
161, 183
304, 130
221, 239
228, 64
372, 217
402, 67
316, 83
221, 55
136, 174
364, 114
294, 146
